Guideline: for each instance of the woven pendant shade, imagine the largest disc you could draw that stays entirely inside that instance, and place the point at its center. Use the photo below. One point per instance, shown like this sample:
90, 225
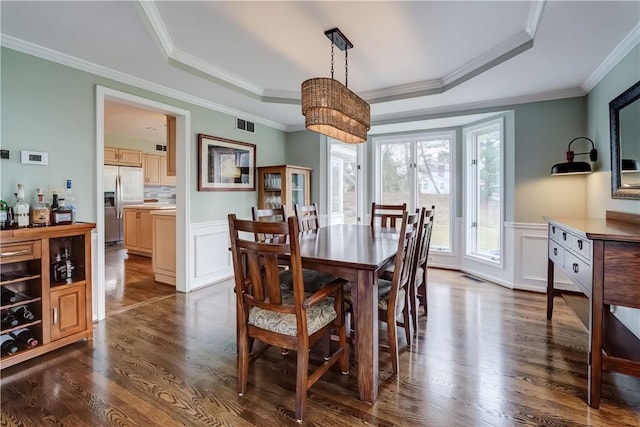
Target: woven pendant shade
331, 109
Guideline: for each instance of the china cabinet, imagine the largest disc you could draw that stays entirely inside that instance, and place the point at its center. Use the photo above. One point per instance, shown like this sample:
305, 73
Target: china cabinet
283, 185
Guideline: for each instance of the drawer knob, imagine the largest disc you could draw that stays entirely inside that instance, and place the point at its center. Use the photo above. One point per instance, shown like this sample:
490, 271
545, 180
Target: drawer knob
564, 236
553, 229
575, 267
555, 251
580, 244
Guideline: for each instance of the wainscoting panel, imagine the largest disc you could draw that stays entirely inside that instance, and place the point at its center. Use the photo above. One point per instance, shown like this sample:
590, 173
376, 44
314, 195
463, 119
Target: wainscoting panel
212, 258
531, 256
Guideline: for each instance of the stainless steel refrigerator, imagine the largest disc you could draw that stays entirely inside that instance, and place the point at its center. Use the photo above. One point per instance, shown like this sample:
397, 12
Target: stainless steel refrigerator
123, 185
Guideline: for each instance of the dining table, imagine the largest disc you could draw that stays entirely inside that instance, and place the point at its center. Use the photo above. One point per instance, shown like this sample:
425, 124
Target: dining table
359, 254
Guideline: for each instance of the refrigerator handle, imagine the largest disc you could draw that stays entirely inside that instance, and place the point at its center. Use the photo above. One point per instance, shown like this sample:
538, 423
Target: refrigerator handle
118, 197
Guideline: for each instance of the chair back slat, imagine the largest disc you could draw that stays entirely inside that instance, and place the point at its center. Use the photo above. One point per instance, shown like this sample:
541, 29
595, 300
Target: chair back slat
307, 216
387, 215
425, 240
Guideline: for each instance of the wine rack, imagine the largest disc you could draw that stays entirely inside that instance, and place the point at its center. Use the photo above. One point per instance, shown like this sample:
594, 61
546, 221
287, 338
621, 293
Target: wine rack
55, 312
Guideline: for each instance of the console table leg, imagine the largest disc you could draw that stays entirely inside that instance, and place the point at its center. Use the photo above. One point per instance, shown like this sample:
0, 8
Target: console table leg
550, 290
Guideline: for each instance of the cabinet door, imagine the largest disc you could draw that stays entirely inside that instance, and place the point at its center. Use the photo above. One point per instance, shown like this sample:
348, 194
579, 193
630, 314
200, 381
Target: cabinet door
130, 157
110, 156
152, 169
67, 311
171, 147
146, 230
131, 228
165, 178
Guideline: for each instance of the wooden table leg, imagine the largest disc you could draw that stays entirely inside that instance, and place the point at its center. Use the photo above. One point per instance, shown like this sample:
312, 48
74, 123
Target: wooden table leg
366, 312
595, 327
550, 289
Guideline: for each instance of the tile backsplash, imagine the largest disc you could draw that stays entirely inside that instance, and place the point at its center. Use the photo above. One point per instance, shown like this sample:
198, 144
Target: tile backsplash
163, 193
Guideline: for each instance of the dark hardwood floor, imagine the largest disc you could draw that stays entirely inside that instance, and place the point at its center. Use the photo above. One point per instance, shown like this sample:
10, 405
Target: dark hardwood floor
486, 356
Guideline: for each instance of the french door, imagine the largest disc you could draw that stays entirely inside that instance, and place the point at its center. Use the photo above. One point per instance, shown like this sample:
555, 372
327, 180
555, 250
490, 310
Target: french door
418, 170
345, 183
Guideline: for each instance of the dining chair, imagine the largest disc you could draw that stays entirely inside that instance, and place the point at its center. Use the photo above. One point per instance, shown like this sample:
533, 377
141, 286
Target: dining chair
386, 215
393, 295
420, 278
307, 216
274, 316
271, 215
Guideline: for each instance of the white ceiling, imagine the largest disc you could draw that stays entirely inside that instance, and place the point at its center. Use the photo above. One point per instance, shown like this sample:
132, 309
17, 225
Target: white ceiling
410, 59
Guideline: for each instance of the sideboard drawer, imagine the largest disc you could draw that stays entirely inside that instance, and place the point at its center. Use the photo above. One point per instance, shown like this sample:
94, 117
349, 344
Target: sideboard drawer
580, 246
556, 253
578, 271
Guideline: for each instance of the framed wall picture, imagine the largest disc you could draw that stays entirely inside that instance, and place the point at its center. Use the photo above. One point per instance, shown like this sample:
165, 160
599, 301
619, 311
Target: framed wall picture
225, 164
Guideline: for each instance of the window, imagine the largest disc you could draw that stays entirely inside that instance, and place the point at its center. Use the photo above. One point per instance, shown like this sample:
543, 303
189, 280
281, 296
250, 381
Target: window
484, 190
417, 169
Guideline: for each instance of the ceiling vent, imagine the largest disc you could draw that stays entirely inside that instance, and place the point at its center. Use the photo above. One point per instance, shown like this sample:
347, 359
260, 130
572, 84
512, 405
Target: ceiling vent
245, 125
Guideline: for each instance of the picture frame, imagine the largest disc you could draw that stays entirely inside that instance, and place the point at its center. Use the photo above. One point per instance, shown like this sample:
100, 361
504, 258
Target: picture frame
225, 164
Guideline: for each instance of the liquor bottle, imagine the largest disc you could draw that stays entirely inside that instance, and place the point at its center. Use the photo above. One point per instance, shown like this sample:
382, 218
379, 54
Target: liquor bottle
62, 215
22, 312
25, 337
4, 209
54, 206
39, 211
70, 264
59, 269
70, 199
21, 209
7, 296
8, 320
8, 345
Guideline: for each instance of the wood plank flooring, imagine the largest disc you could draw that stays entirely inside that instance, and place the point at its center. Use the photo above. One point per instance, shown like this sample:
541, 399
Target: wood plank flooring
486, 356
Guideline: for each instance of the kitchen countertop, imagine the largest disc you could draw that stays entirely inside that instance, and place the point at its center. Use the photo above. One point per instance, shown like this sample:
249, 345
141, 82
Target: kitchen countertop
164, 212
151, 206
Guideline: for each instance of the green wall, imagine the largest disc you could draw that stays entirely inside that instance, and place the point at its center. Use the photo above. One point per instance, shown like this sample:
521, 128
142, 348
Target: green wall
620, 78
51, 107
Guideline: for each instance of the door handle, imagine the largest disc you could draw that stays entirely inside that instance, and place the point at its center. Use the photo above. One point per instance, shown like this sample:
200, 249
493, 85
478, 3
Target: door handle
55, 316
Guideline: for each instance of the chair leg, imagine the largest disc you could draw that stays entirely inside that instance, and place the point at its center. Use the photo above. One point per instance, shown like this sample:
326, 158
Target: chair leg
301, 382
406, 324
243, 364
393, 340
415, 305
422, 290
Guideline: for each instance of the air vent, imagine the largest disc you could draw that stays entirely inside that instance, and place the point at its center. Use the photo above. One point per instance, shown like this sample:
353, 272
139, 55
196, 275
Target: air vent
161, 147
245, 125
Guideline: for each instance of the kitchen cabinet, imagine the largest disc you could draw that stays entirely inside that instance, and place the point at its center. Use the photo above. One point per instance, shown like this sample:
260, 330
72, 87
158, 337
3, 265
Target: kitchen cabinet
137, 231
60, 306
283, 185
122, 157
155, 170
164, 246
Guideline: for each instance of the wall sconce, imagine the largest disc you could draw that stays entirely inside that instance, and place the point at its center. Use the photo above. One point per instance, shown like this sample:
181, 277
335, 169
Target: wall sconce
570, 167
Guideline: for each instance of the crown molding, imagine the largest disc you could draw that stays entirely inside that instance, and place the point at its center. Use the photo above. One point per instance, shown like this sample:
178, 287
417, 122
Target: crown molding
535, 15
625, 46
89, 67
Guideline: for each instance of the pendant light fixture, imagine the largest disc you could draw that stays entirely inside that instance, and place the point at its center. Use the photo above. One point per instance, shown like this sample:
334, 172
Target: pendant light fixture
572, 168
329, 107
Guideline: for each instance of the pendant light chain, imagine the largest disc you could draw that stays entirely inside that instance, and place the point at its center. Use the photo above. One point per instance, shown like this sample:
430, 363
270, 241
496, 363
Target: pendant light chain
346, 68
331, 58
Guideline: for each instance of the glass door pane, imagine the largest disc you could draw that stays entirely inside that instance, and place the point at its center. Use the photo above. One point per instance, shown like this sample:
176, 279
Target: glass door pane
395, 161
343, 183
297, 188
434, 186
488, 194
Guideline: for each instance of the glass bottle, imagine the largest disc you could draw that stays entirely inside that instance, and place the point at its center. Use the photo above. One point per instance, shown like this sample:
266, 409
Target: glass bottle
4, 209
70, 199
54, 206
59, 269
25, 337
8, 345
21, 209
40, 212
62, 215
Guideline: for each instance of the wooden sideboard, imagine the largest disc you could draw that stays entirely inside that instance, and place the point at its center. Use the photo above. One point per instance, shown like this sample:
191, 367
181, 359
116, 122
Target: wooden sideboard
602, 257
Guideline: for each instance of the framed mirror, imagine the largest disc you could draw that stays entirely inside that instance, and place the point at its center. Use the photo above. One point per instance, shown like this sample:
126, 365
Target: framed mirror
624, 125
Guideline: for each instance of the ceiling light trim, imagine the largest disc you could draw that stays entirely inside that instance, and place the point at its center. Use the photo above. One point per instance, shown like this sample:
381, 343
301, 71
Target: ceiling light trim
101, 71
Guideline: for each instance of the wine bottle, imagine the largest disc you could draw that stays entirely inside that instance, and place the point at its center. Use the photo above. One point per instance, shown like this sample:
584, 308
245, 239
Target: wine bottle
25, 337
8, 320
22, 312
7, 296
21, 209
8, 345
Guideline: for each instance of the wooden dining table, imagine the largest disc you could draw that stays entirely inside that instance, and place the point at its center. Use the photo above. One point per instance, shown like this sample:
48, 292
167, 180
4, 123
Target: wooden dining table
359, 254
